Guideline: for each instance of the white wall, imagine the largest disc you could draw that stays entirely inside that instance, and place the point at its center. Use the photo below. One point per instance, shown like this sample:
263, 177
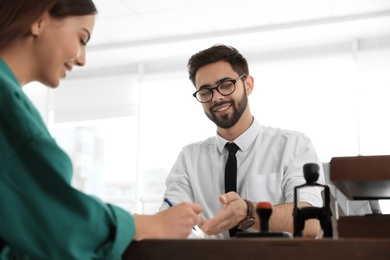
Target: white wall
334, 91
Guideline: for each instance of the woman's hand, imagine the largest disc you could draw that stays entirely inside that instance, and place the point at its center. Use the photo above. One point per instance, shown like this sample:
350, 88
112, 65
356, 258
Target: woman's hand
175, 222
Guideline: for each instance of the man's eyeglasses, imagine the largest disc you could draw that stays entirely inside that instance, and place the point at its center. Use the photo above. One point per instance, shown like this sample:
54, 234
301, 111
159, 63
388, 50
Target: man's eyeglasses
225, 88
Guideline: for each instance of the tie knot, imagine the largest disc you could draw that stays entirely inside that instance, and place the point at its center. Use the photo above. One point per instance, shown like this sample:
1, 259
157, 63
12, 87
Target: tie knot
231, 147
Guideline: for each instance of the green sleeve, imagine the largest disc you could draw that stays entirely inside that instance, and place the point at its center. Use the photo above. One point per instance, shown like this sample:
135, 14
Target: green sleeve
41, 215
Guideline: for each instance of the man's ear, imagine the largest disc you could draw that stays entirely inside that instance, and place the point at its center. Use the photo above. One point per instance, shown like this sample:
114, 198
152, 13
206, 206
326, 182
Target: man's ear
249, 83
38, 25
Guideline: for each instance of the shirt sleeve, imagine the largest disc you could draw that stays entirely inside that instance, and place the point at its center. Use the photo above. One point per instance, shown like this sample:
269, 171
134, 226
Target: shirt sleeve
178, 184
45, 216
302, 152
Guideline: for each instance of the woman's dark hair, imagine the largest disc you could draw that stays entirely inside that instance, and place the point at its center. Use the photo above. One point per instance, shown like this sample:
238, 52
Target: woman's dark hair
217, 53
17, 16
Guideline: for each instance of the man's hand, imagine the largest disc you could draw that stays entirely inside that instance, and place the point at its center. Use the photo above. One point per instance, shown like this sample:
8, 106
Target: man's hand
233, 212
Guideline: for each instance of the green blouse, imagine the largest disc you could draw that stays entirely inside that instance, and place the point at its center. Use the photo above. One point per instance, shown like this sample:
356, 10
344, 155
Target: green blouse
41, 215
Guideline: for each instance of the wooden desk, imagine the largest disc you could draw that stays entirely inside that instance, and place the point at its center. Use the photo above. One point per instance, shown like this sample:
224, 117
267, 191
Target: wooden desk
260, 248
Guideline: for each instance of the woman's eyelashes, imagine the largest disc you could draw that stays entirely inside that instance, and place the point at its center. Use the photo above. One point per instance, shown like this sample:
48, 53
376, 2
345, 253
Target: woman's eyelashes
83, 41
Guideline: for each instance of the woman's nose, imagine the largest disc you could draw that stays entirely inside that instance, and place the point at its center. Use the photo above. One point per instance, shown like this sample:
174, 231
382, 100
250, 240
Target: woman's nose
80, 60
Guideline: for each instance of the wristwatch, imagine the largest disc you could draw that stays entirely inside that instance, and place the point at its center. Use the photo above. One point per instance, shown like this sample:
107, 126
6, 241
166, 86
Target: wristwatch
250, 216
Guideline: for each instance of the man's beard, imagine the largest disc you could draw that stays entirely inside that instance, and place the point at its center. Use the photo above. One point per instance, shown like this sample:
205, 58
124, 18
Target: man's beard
227, 121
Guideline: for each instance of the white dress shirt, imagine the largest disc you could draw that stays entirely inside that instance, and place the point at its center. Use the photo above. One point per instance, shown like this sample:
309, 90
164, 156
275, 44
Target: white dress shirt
269, 166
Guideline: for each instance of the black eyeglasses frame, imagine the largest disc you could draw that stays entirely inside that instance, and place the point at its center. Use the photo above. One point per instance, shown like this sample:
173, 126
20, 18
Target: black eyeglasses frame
234, 81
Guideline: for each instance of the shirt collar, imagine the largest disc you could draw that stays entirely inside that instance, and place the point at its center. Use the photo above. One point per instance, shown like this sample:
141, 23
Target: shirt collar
244, 140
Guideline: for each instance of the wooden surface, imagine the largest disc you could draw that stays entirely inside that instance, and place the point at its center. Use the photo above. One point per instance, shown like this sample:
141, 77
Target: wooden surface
377, 226
362, 177
255, 248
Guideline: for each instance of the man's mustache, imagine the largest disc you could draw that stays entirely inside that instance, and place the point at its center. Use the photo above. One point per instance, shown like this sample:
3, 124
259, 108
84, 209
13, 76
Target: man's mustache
220, 104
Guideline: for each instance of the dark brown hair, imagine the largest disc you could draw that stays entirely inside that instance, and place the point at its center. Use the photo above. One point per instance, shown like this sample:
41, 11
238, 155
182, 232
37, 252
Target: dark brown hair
218, 52
16, 16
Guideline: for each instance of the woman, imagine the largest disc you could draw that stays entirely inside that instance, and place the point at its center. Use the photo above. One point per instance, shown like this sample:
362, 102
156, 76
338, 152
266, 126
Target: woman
41, 215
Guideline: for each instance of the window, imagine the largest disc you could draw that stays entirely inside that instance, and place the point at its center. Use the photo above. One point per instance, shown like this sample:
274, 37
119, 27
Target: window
124, 133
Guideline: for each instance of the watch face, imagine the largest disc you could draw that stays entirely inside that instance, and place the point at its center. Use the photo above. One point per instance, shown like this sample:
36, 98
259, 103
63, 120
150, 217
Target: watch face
247, 223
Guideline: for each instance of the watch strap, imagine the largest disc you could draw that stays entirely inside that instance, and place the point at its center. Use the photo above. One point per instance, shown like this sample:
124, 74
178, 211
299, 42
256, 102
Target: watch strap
251, 209
250, 216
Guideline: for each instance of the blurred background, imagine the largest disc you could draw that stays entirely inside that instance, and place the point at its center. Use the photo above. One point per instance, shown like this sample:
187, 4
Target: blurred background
320, 67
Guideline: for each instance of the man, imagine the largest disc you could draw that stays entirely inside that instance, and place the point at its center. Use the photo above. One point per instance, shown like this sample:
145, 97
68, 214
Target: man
269, 160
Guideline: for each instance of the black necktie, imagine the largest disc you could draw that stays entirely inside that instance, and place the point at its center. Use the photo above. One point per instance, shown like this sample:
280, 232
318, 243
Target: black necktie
231, 175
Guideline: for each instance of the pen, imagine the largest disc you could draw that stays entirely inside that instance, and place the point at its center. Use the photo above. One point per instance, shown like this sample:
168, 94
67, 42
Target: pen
171, 205
169, 202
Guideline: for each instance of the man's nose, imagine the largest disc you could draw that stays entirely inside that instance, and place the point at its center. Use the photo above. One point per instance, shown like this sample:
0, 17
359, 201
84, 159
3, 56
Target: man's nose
216, 95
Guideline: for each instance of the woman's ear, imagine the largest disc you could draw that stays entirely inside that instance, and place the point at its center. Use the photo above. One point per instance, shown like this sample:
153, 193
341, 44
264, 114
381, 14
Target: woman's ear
38, 25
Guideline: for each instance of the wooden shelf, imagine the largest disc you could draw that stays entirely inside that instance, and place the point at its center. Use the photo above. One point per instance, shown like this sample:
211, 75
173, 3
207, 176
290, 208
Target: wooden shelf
362, 177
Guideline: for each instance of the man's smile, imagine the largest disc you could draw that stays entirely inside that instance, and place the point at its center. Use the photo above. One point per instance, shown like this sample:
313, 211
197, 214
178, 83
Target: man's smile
222, 108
